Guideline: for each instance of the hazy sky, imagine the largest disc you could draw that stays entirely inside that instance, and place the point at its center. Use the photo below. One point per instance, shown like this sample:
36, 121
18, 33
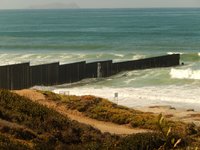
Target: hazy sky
9, 4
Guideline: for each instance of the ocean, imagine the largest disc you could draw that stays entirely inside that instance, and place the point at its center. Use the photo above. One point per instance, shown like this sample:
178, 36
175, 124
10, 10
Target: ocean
43, 36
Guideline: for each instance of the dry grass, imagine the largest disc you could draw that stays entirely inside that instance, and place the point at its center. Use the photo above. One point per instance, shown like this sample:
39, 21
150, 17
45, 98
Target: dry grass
104, 110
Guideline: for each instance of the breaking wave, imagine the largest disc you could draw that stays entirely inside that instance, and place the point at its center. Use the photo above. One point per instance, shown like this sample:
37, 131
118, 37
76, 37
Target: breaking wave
185, 74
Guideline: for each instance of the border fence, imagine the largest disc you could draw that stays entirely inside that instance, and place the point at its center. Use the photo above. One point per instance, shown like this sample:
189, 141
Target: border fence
45, 74
99, 69
73, 72
15, 77
21, 76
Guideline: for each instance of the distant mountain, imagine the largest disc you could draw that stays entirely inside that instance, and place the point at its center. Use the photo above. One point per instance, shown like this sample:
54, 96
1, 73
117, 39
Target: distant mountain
55, 6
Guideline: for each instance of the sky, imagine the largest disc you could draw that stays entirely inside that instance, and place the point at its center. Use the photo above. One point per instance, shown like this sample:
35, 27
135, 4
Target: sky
21, 4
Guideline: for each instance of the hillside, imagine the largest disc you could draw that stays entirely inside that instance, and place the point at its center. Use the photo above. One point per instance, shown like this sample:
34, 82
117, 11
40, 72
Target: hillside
26, 124
53, 101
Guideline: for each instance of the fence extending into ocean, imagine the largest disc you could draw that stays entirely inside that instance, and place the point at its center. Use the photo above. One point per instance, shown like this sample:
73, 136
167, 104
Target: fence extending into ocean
22, 76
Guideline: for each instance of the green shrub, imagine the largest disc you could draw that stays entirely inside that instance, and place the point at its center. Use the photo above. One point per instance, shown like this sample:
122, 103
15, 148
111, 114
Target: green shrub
9, 144
53, 96
19, 133
141, 141
102, 109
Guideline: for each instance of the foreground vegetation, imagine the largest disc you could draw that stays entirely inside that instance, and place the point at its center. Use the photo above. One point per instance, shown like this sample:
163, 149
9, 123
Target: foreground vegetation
104, 110
28, 125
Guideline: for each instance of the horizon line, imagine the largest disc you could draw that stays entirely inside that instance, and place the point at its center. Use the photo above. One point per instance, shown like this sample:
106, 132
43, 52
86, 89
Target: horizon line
98, 8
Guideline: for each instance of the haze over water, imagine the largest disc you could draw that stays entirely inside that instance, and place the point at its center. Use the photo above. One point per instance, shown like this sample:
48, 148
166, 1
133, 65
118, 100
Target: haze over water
42, 36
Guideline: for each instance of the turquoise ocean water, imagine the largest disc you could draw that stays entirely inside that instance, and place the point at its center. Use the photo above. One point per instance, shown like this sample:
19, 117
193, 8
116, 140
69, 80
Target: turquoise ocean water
43, 36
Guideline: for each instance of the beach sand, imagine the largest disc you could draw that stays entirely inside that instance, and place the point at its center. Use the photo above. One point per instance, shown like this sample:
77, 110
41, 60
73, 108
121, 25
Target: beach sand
184, 115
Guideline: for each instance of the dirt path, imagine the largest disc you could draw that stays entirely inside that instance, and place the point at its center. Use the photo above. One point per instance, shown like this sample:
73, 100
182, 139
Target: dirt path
77, 116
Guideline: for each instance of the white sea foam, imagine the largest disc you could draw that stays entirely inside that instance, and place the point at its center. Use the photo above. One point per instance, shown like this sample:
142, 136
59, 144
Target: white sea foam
26, 56
185, 74
129, 81
3, 55
81, 55
119, 55
181, 97
171, 53
135, 57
